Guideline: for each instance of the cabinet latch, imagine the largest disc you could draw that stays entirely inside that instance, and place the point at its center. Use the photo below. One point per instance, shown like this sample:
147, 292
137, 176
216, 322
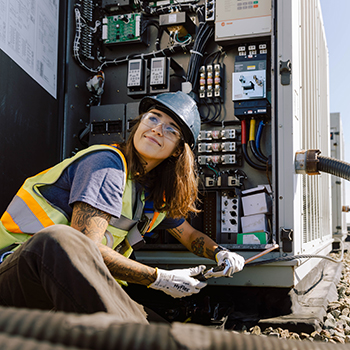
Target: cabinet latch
285, 71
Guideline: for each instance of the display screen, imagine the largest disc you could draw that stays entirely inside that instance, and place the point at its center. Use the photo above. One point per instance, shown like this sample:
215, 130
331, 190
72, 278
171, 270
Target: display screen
157, 64
134, 65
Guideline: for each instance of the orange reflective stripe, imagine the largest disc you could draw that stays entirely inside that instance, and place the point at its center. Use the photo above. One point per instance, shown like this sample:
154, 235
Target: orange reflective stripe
37, 210
9, 224
155, 215
116, 146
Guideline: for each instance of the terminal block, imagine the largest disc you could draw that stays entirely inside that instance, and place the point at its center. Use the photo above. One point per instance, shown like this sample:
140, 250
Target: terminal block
225, 134
219, 159
217, 147
210, 10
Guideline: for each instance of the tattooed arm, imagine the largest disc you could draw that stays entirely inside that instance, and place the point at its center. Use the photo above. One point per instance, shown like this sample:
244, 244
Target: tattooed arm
194, 240
93, 223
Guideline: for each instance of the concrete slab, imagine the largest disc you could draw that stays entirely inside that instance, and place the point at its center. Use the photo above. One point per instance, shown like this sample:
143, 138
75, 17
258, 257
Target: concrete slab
310, 299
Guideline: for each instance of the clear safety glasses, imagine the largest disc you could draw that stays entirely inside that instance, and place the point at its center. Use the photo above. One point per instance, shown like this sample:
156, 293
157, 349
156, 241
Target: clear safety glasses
168, 131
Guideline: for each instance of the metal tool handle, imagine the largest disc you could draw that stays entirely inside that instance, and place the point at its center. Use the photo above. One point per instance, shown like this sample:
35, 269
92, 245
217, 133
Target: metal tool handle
202, 277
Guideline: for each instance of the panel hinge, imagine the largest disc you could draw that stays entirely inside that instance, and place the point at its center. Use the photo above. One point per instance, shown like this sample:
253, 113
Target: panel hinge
285, 71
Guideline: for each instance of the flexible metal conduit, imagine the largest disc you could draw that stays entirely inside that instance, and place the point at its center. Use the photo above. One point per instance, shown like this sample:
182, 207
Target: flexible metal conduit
101, 331
18, 343
334, 167
310, 162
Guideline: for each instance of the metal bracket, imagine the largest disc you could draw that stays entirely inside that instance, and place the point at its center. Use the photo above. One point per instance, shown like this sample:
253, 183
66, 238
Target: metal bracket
287, 239
285, 71
306, 162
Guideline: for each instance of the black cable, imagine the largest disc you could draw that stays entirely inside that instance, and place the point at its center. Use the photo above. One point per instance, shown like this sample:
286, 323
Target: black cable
159, 34
216, 115
203, 119
334, 167
258, 138
249, 161
244, 148
293, 257
256, 154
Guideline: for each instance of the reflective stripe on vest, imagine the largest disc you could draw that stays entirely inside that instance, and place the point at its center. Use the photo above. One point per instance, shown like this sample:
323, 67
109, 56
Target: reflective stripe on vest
29, 212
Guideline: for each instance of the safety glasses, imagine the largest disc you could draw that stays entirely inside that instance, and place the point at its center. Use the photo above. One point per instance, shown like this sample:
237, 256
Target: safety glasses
170, 132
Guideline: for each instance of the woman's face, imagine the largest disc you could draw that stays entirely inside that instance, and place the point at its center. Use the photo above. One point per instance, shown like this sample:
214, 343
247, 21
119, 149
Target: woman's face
156, 138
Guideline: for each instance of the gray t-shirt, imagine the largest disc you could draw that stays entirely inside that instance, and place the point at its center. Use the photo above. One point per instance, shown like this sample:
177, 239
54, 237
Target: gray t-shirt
96, 179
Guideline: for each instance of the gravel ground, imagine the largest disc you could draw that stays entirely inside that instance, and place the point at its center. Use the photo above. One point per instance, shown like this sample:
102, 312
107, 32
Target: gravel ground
336, 325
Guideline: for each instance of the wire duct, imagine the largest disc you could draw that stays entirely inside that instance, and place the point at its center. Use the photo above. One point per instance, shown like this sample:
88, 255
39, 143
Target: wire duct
99, 331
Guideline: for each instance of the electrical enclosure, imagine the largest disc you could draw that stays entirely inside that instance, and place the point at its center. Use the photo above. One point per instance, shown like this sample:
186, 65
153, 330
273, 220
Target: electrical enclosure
259, 73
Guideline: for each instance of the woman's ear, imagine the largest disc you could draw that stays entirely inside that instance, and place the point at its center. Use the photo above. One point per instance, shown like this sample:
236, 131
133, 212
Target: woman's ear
177, 152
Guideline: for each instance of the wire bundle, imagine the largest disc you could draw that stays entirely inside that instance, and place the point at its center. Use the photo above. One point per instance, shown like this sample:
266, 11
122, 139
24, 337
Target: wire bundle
204, 33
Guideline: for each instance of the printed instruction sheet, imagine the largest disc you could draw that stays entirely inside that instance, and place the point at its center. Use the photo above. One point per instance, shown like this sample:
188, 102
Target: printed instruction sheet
29, 36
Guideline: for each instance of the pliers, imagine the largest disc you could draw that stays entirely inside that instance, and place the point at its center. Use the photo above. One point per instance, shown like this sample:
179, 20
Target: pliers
211, 272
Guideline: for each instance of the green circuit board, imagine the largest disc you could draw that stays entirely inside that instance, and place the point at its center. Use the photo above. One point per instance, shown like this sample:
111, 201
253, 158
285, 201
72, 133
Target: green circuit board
123, 28
170, 2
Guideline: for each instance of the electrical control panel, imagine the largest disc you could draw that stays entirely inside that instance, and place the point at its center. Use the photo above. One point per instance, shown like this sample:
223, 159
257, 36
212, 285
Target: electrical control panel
237, 19
123, 29
192, 46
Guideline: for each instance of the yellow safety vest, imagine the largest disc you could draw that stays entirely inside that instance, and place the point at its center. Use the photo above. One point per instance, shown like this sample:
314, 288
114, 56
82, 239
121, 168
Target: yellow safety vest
29, 212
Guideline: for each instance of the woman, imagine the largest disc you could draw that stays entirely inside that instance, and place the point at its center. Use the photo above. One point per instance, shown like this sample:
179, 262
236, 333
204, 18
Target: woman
99, 193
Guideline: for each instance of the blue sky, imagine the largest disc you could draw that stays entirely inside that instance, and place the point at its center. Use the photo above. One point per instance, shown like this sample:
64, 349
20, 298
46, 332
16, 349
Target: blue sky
337, 27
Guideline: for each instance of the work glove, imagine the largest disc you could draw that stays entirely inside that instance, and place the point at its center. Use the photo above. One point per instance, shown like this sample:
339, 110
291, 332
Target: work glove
179, 283
230, 263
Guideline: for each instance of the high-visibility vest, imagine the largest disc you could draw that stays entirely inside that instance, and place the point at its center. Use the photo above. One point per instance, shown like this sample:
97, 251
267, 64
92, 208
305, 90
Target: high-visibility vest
29, 212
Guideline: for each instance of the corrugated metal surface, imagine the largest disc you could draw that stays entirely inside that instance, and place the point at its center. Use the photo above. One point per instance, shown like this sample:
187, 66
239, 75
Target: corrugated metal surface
314, 115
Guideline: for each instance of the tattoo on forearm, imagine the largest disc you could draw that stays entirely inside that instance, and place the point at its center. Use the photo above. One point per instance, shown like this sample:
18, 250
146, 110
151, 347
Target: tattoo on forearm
210, 253
197, 246
126, 269
89, 220
177, 233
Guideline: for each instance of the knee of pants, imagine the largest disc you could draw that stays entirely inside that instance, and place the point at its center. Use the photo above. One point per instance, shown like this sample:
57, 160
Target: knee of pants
62, 236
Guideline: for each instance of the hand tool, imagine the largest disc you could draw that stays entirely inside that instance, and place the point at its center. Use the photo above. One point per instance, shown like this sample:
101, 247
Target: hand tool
204, 276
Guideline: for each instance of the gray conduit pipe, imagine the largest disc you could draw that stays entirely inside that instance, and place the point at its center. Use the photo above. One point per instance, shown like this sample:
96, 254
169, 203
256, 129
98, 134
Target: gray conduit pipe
101, 332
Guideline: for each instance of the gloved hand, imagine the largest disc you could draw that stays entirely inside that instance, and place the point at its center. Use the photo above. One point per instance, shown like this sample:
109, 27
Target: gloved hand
231, 262
179, 283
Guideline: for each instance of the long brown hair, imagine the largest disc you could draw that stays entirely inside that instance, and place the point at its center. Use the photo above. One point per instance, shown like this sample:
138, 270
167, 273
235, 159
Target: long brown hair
172, 185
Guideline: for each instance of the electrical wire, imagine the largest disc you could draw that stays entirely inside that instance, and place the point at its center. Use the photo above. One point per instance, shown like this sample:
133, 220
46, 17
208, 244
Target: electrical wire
252, 142
208, 108
204, 33
216, 115
244, 148
301, 256
76, 44
258, 139
159, 33
105, 62
216, 173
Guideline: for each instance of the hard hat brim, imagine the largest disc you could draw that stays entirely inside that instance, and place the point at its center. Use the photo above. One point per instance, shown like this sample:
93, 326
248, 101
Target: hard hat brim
149, 102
